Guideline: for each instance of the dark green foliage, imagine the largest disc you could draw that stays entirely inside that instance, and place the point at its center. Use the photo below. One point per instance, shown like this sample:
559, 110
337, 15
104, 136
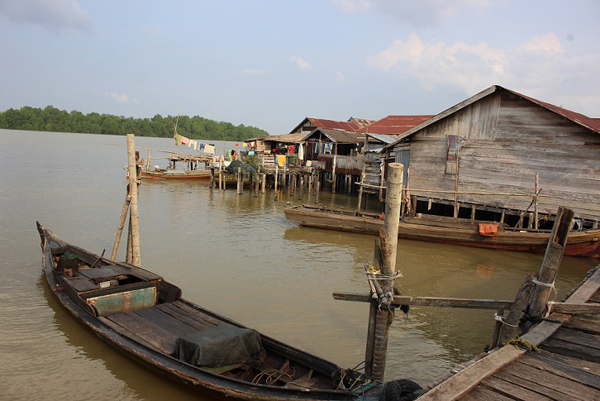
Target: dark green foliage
53, 119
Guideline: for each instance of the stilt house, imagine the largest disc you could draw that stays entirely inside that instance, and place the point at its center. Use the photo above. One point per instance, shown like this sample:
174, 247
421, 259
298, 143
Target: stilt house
502, 149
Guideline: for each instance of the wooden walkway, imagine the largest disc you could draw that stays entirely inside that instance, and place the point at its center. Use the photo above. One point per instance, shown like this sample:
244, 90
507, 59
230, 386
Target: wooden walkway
567, 366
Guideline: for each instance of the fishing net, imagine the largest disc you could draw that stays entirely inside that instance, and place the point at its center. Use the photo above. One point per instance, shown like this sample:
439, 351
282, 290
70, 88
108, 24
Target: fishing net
233, 167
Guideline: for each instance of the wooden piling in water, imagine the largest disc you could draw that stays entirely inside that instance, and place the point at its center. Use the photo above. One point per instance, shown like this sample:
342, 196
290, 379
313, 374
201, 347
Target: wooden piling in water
240, 181
544, 281
264, 183
301, 190
256, 184
133, 207
380, 312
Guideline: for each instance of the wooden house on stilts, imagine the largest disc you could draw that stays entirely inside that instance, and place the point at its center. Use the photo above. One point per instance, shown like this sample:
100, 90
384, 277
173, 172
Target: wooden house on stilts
503, 152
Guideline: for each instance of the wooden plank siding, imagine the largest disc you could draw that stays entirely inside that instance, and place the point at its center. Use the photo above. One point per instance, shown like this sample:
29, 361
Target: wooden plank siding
506, 141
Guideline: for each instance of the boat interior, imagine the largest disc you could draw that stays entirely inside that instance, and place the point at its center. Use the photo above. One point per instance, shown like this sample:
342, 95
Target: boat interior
150, 311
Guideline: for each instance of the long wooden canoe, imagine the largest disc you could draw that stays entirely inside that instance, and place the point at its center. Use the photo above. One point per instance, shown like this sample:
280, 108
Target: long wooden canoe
176, 174
144, 316
447, 230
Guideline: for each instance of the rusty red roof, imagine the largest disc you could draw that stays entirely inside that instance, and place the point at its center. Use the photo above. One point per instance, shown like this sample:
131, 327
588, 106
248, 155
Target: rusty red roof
588, 122
331, 124
394, 125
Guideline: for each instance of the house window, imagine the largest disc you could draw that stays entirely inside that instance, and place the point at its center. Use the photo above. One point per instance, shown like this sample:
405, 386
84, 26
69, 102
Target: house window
453, 153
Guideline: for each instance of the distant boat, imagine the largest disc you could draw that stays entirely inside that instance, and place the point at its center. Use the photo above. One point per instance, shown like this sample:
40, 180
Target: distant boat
143, 316
194, 168
169, 174
447, 230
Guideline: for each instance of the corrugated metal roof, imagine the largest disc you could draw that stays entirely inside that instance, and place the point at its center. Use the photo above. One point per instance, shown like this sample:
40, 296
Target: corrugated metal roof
383, 137
339, 136
394, 125
287, 138
330, 124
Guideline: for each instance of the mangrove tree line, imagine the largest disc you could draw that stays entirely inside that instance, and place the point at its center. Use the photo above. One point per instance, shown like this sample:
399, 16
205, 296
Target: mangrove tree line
52, 119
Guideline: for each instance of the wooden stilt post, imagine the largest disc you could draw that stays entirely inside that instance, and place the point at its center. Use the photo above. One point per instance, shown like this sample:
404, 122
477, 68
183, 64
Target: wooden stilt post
544, 281
276, 177
284, 178
333, 173
256, 184
133, 210
362, 181
381, 313
221, 184
264, 183
301, 191
537, 185
240, 181
533, 296
212, 177
318, 184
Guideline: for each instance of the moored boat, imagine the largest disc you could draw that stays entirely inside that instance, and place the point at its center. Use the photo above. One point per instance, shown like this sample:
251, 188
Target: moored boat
144, 316
448, 230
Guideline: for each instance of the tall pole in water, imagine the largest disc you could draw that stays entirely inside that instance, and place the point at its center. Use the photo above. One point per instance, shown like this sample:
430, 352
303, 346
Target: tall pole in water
133, 192
381, 312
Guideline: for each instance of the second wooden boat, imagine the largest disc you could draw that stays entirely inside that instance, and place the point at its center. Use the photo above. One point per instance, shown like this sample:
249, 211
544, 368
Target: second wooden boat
448, 230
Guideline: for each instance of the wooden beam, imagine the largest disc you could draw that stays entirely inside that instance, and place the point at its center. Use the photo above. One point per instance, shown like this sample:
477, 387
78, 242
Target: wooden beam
440, 302
574, 308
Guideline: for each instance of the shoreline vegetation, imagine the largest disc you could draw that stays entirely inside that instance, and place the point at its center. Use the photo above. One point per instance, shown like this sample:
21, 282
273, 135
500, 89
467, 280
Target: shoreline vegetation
52, 119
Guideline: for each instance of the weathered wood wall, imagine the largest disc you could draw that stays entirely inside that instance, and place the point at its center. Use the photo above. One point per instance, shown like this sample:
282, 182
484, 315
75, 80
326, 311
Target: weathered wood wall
506, 141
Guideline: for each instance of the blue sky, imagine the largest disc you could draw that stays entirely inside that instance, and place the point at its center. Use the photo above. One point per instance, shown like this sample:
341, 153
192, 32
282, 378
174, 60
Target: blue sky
270, 63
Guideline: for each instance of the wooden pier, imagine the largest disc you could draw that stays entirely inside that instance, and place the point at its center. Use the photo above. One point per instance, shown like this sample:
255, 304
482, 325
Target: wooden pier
557, 359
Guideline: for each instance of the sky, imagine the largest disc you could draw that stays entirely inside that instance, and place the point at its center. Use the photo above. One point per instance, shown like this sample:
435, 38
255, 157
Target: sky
271, 63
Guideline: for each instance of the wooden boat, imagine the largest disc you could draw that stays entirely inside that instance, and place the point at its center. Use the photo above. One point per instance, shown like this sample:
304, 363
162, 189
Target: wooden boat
169, 174
448, 230
191, 168
142, 315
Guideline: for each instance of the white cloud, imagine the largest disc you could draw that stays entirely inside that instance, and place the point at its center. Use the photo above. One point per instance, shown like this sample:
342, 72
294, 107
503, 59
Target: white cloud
461, 64
254, 71
301, 63
340, 78
351, 6
418, 13
548, 43
119, 97
53, 15
540, 68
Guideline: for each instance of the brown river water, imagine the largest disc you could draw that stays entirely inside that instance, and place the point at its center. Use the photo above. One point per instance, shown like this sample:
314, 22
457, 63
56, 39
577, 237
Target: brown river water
234, 254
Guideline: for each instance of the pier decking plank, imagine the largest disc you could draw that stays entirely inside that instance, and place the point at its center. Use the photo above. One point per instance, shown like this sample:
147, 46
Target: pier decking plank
568, 366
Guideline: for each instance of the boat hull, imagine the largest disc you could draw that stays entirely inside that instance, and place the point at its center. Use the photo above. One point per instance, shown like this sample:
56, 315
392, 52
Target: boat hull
446, 231
196, 378
184, 175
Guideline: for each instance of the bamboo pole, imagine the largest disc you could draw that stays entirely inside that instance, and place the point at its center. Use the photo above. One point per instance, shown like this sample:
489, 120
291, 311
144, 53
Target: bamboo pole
122, 220
133, 190
380, 311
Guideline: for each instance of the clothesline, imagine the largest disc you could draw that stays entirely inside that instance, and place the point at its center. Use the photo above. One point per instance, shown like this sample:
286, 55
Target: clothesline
191, 143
